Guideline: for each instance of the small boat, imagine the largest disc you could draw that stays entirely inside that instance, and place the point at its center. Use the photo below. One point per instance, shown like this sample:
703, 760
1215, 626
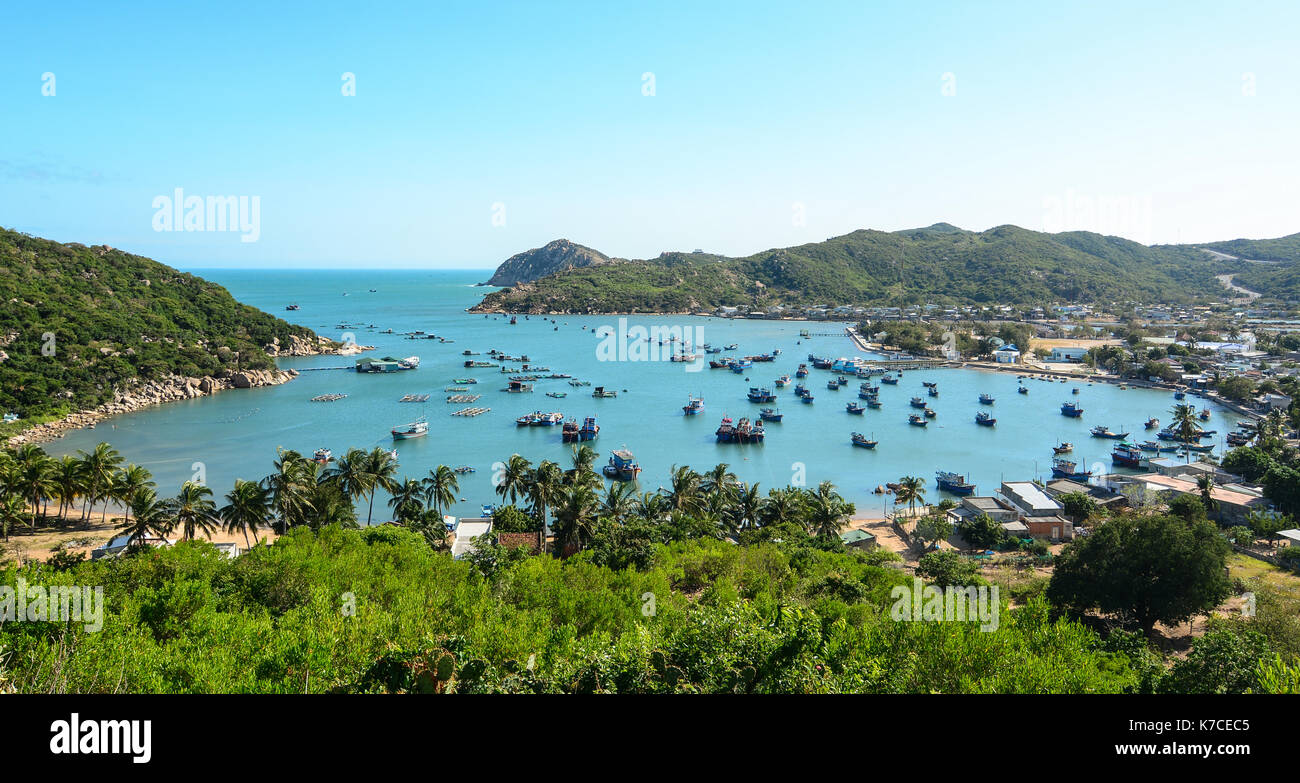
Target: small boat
546, 419
806, 399
464, 469
513, 320
602, 393
1064, 448
1101, 431
802, 372
833, 385
917, 421
622, 466
1179, 395
569, 432
930, 413
1238, 439
1022, 390
1151, 445
986, 399
726, 431
557, 395
589, 430
770, 414
291, 307
889, 379
954, 483
784, 380
747, 432
917, 402
416, 429
1065, 468
873, 403
854, 408
1198, 447
322, 456
933, 392
1073, 410
1126, 455
930, 384
1205, 414
863, 441
761, 395
1152, 423
800, 390
731, 347
693, 405
985, 419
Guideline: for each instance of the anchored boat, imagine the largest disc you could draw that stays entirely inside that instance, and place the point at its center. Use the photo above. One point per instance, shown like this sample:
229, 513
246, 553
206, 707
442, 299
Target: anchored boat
1064, 468
985, 419
1101, 431
1071, 409
770, 414
693, 406
986, 399
863, 441
622, 466
1126, 455
416, 429
954, 483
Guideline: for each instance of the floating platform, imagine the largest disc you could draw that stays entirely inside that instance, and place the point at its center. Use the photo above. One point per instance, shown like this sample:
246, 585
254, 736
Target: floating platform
470, 411
415, 398
464, 398
328, 397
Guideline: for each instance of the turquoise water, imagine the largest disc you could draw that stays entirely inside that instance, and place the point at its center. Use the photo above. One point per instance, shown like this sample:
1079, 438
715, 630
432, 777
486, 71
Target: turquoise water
236, 434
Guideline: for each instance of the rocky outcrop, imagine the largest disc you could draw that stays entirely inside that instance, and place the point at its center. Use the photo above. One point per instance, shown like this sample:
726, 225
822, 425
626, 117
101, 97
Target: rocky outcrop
146, 393
554, 257
299, 346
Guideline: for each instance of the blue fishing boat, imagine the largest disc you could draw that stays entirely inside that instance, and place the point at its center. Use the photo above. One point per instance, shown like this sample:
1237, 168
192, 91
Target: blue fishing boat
800, 390
784, 380
761, 395
933, 392
1064, 468
862, 441
1178, 395
986, 399
854, 408
889, 379
622, 466
770, 414
873, 403
726, 431
1102, 431
954, 483
806, 399
917, 402
802, 372
589, 430
917, 421
1073, 410
985, 419
833, 385
693, 405
1126, 455
740, 365
1022, 390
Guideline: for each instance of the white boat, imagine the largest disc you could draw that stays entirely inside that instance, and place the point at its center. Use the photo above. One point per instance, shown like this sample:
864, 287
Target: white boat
416, 429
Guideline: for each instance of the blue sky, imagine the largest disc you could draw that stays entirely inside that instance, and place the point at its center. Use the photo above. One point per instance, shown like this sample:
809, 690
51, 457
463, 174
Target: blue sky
771, 124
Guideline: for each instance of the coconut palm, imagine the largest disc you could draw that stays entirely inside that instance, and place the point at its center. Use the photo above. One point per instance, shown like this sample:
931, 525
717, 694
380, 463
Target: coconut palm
748, 507
35, 477
512, 483
1185, 426
99, 468
329, 506
650, 506
192, 510
575, 516
911, 489
150, 517
351, 475
1206, 484
827, 510
130, 480
684, 490
248, 507
718, 479
67, 482
407, 501
783, 505
440, 489
290, 488
12, 508
545, 488
619, 501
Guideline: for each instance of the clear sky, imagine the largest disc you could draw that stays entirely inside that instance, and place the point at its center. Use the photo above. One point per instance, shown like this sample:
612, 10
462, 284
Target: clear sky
770, 123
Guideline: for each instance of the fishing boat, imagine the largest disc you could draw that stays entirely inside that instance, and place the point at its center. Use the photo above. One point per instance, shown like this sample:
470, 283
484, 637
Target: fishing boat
589, 430
1075, 390
866, 387
291, 307
1180, 395
740, 365
546, 419
693, 405
889, 379
416, 429
1126, 455
622, 466
933, 392
930, 413
833, 385
761, 395
1022, 390
800, 390
863, 441
873, 403
1102, 431
986, 399
917, 402
718, 364
866, 395
1073, 410
601, 392
802, 372
525, 420
1064, 448
783, 381
322, 456
731, 347
747, 432
985, 419
569, 432
1237, 439
1152, 445
726, 431
770, 414
954, 483
518, 387
464, 469
557, 395
854, 408
1205, 414
930, 384
806, 399
1065, 468
1198, 447
1152, 423
916, 420
514, 320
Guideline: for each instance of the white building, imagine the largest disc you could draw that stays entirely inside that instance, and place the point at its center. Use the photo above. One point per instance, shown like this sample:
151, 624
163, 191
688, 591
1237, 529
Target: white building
1007, 354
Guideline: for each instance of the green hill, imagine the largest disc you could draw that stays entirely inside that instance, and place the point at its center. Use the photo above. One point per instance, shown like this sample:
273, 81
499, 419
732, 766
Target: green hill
1278, 273
78, 321
940, 264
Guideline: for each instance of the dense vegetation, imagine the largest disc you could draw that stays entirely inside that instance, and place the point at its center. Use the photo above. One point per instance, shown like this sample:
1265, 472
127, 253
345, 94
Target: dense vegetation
707, 585
939, 264
79, 320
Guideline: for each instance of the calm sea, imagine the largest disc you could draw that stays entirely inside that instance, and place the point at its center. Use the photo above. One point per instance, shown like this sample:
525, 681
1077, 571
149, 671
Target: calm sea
236, 434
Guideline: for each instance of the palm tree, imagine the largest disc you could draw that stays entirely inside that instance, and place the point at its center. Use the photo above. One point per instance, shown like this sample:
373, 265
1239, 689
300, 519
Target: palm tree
749, 506
290, 488
784, 505
35, 477
248, 507
11, 511
718, 479
545, 488
151, 517
407, 501
382, 469
827, 510
192, 510
619, 501
440, 489
514, 478
684, 490
1185, 426
651, 506
99, 467
351, 476
910, 490
327, 505
67, 482
574, 517
130, 480
1205, 483
584, 466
